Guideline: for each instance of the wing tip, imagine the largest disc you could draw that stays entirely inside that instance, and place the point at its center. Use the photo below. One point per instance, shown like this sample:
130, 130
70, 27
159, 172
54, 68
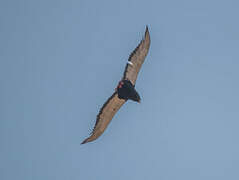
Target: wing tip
147, 29
85, 141
146, 35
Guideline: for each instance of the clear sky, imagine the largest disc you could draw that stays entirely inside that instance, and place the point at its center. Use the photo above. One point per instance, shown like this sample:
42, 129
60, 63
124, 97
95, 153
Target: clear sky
60, 61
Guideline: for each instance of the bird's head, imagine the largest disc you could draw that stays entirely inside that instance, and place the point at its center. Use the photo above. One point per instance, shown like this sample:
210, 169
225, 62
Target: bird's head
121, 83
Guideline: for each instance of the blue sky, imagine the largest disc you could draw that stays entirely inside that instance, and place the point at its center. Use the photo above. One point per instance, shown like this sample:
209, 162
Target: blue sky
61, 60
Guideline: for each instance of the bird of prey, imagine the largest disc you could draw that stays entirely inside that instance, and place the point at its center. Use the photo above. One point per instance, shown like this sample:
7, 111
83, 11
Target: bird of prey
125, 89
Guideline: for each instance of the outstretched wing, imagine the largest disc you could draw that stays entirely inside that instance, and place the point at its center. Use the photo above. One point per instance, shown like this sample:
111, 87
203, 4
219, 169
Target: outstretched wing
136, 58
107, 112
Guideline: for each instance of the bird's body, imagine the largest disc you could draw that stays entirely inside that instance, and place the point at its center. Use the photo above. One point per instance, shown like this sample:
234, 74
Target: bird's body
125, 89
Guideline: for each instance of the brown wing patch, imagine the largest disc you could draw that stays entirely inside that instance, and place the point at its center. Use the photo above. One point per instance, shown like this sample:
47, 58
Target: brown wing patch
137, 58
107, 112
102, 108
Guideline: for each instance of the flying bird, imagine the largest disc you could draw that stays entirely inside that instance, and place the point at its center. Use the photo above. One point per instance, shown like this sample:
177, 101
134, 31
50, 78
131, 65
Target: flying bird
125, 89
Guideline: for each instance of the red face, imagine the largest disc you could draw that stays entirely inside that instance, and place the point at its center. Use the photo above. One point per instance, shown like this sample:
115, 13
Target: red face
120, 85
